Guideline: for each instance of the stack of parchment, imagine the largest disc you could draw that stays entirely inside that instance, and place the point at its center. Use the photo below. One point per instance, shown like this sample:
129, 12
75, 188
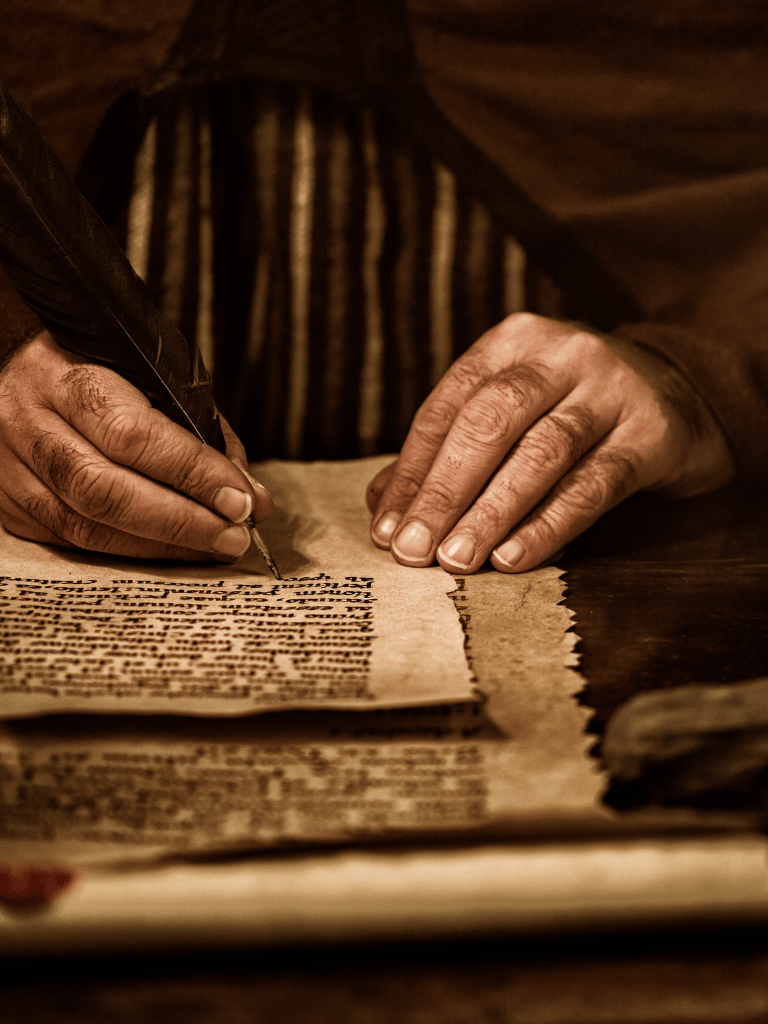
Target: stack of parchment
420, 766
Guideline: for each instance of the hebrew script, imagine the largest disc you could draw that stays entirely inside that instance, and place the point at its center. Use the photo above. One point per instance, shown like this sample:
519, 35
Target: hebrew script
347, 627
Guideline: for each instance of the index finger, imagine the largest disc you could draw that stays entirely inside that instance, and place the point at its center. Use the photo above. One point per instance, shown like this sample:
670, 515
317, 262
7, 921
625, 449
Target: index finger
514, 345
429, 429
480, 439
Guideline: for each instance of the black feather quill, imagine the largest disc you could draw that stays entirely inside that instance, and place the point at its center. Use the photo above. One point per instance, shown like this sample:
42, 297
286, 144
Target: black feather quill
68, 268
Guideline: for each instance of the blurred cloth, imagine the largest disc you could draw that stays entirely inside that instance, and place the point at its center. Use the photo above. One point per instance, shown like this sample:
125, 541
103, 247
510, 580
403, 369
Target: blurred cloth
700, 745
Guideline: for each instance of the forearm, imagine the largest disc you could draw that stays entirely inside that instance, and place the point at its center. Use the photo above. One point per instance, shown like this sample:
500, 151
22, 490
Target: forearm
728, 375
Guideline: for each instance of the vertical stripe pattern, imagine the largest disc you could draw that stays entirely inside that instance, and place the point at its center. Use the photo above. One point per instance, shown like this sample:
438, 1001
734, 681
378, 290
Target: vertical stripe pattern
440, 290
369, 411
141, 202
177, 215
303, 187
326, 264
204, 326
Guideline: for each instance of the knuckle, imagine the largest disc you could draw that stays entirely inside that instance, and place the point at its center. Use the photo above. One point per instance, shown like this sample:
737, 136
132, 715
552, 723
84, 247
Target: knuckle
51, 512
84, 388
519, 387
623, 469
94, 492
522, 321
602, 482
485, 418
587, 342
84, 533
438, 499
512, 330
490, 417
176, 532
134, 435
548, 526
590, 489
539, 453
576, 425
53, 458
125, 431
491, 518
469, 370
83, 483
433, 419
403, 488
581, 349
559, 441
189, 469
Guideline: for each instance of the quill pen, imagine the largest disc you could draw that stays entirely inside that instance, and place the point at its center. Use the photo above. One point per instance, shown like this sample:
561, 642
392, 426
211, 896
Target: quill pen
68, 268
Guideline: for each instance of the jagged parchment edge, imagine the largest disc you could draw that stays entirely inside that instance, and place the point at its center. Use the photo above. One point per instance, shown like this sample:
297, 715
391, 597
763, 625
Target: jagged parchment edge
520, 642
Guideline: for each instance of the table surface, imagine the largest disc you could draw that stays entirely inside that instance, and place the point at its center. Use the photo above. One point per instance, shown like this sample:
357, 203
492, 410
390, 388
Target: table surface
664, 593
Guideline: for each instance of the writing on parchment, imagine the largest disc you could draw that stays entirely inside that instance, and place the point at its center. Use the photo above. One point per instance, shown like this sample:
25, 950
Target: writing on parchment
262, 642
212, 793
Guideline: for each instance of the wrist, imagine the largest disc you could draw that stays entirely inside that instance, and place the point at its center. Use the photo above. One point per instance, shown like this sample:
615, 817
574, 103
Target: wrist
703, 458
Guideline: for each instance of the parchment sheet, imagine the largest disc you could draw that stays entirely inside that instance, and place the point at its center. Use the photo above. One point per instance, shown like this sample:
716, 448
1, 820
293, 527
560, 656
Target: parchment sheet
520, 643
82, 791
348, 627
353, 895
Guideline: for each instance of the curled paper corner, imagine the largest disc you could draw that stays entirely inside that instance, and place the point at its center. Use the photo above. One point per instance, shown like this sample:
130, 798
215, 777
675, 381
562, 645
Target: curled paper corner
32, 887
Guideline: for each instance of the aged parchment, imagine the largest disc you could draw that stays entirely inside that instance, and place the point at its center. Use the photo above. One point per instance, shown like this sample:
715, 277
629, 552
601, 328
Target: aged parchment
85, 794
82, 790
354, 895
347, 627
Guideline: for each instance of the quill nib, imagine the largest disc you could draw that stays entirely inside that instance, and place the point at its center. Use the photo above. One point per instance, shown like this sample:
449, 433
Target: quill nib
256, 537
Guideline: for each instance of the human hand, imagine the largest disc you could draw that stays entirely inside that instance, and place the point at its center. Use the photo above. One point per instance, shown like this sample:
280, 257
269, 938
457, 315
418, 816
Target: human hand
532, 435
86, 462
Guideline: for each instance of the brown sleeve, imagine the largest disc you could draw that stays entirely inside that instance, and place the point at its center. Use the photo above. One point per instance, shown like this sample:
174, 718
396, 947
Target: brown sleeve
66, 64
67, 61
730, 374
645, 134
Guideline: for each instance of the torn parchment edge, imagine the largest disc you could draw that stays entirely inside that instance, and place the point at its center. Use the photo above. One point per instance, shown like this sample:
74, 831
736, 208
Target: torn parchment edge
520, 641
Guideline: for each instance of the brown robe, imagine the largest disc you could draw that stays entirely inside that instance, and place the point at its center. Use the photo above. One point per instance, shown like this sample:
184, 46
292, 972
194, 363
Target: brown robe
640, 126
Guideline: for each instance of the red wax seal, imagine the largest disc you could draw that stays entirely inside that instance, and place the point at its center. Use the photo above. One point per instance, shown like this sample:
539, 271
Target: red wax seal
32, 886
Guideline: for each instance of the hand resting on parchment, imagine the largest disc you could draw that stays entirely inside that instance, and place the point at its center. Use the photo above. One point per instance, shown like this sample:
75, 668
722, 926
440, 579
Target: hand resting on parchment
535, 432
85, 461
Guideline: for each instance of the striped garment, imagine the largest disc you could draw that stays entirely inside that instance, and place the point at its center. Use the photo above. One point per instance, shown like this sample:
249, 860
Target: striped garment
328, 270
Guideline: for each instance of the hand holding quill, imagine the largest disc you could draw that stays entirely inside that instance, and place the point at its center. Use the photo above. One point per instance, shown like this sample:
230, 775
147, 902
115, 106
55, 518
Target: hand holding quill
67, 267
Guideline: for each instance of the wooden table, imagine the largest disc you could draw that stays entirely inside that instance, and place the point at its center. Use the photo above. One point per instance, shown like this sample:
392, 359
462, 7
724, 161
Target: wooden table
664, 593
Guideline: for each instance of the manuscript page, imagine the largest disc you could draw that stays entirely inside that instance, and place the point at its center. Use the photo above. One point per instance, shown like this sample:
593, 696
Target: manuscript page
347, 628
84, 794
81, 790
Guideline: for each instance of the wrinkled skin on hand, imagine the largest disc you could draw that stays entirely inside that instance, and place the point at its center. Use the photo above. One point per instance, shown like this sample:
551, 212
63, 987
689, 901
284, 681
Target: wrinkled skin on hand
86, 462
532, 435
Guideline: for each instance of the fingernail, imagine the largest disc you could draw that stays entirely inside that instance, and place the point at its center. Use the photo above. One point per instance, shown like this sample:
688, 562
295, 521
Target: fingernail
381, 533
459, 550
234, 540
232, 503
510, 552
414, 543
